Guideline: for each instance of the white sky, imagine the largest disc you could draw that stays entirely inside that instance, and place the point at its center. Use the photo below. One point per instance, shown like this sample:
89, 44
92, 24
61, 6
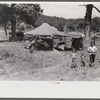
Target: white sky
67, 9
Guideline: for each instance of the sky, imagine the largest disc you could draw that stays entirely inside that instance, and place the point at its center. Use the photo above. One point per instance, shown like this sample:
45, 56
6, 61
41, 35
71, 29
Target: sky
68, 9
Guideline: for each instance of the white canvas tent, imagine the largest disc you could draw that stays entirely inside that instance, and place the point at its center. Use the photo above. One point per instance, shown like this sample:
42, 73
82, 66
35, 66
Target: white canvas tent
75, 40
45, 29
74, 34
3, 36
46, 33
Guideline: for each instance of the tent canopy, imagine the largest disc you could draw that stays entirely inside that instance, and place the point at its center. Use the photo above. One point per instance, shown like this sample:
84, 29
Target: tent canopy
45, 29
75, 35
97, 34
75, 40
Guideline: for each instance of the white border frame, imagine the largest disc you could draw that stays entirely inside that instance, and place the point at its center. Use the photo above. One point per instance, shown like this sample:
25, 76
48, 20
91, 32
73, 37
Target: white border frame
47, 89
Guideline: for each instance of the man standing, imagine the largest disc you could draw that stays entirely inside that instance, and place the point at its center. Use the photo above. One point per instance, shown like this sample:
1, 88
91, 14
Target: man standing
20, 33
92, 51
22, 26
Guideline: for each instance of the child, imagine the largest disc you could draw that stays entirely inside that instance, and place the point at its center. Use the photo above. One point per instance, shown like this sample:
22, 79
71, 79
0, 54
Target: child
82, 60
74, 55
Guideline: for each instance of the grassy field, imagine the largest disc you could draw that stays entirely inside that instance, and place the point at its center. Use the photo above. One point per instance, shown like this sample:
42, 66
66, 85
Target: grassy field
16, 63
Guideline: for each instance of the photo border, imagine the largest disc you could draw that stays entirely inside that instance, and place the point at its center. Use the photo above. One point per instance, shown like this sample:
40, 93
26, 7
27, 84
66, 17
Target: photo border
30, 98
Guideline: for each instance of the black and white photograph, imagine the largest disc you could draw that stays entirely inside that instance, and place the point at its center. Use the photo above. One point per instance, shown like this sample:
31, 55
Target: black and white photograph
50, 41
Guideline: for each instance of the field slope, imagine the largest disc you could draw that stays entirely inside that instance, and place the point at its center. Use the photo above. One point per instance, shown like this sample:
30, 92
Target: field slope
16, 63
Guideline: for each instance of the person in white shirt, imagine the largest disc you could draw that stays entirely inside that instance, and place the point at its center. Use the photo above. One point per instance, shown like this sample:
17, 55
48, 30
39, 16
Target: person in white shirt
92, 51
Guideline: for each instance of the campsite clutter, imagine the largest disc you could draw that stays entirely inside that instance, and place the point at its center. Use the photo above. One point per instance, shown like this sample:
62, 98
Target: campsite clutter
49, 37
46, 37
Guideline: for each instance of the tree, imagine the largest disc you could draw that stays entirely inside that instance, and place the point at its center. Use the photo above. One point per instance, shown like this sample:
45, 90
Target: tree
88, 18
57, 22
70, 25
4, 15
81, 25
95, 24
26, 12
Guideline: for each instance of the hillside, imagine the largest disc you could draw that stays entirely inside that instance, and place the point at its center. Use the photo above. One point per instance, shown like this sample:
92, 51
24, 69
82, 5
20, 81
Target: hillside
57, 22
16, 63
63, 24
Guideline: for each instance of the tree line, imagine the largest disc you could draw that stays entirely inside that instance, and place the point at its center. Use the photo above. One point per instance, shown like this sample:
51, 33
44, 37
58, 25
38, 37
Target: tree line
32, 14
63, 24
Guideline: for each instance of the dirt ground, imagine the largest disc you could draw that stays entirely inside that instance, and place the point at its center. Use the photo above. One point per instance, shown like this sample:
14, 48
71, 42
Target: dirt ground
16, 63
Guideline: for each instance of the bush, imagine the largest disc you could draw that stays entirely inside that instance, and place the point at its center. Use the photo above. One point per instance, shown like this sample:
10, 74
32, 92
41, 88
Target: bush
5, 54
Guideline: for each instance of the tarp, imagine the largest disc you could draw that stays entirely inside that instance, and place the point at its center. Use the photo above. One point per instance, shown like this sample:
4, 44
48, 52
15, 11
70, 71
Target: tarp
74, 35
77, 43
3, 36
97, 34
75, 40
45, 29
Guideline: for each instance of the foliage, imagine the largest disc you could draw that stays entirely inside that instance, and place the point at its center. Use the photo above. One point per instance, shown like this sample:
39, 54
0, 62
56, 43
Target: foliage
79, 24
74, 25
15, 12
95, 24
57, 22
28, 12
4, 13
